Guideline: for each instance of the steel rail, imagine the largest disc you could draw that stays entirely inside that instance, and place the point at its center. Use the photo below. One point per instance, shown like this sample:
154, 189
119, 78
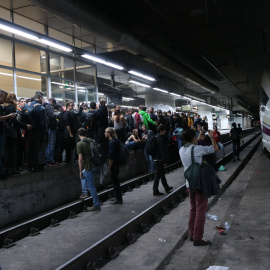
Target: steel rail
108, 248
23, 229
118, 239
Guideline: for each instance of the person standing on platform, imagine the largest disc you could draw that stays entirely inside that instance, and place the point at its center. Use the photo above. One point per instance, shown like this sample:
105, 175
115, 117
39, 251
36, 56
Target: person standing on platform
3, 117
147, 134
113, 168
154, 118
87, 170
37, 135
102, 120
146, 117
160, 162
198, 204
234, 134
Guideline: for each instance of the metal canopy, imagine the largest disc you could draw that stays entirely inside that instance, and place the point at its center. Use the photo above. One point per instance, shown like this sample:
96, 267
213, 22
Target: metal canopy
224, 42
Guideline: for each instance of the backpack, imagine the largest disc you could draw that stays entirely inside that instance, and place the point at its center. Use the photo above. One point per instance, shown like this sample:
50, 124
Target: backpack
60, 121
98, 156
123, 154
235, 134
151, 146
28, 112
193, 174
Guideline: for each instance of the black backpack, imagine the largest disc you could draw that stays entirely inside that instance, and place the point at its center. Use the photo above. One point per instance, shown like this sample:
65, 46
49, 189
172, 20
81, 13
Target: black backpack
27, 113
98, 156
235, 134
151, 146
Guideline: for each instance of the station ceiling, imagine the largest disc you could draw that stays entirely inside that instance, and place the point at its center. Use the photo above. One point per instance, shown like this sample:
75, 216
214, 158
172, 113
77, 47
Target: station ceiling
223, 45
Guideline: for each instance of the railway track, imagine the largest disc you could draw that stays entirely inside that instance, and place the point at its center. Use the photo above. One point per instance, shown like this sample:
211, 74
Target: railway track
104, 250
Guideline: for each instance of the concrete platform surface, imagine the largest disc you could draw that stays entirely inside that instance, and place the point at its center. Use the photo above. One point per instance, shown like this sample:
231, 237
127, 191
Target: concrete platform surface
155, 249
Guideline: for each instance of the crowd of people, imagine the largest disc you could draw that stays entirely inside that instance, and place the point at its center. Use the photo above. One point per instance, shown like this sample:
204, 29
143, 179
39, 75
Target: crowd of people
41, 132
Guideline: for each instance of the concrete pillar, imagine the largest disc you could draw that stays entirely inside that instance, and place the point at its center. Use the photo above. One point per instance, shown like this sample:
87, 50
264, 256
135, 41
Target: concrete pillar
160, 101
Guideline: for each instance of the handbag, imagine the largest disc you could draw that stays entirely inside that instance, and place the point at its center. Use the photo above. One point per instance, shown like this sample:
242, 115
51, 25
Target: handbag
193, 174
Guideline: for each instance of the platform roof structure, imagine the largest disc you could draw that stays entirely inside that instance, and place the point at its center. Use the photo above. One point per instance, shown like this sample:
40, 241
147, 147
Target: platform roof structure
214, 49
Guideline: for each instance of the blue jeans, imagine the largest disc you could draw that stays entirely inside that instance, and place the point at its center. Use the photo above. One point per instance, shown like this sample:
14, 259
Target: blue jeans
179, 141
51, 145
221, 146
88, 183
2, 150
149, 161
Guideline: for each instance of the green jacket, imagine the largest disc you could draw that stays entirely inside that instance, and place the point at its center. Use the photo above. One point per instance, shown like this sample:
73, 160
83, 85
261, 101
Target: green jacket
146, 118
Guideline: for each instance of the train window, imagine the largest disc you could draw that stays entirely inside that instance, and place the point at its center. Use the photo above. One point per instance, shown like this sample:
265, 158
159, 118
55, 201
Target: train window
264, 99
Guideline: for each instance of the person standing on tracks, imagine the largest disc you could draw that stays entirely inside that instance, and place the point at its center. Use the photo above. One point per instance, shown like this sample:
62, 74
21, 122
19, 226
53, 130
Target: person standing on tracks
87, 169
198, 203
216, 135
234, 134
160, 162
113, 168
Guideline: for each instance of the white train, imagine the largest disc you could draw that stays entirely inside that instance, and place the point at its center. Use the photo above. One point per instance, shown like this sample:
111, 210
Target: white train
265, 109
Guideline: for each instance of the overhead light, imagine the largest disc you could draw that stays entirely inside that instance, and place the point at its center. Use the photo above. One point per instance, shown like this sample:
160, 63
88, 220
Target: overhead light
55, 45
113, 65
187, 98
127, 98
58, 98
175, 94
17, 32
29, 78
101, 94
80, 87
69, 85
81, 91
157, 89
139, 83
7, 74
101, 61
141, 75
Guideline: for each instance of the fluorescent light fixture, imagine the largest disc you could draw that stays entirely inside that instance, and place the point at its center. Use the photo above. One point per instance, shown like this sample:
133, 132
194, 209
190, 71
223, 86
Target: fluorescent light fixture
101, 61
95, 59
80, 87
7, 74
141, 75
113, 65
175, 94
127, 98
101, 94
29, 78
62, 84
81, 91
139, 83
17, 32
187, 98
58, 98
55, 45
157, 89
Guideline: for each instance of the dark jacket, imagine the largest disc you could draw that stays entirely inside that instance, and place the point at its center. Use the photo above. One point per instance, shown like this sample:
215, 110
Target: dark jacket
102, 117
209, 181
113, 151
51, 117
39, 118
76, 114
161, 148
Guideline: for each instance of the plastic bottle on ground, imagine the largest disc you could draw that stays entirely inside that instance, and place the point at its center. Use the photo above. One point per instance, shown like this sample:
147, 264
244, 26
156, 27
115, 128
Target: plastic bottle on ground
212, 217
227, 225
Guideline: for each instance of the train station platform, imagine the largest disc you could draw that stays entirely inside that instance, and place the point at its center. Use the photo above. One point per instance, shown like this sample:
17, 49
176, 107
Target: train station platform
54, 246
245, 205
